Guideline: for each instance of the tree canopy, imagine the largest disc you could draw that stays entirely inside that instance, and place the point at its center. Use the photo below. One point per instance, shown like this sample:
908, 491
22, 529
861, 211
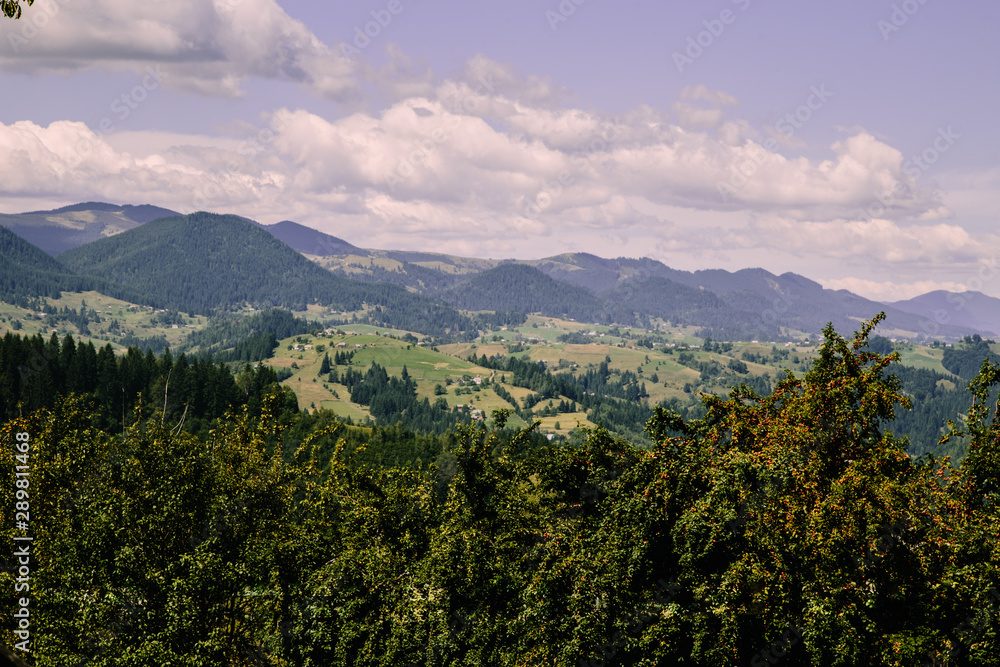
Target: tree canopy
791, 527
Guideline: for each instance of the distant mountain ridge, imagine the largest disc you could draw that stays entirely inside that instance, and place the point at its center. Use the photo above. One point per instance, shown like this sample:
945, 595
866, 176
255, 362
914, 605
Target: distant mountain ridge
746, 302
974, 310
757, 300
65, 228
205, 262
513, 286
310, 241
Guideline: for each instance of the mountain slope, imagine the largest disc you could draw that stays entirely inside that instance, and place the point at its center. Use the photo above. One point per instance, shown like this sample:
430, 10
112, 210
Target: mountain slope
311, 241
520, 287
788, 300
205, 262
967, 309
680, 304
26, 271
72, 226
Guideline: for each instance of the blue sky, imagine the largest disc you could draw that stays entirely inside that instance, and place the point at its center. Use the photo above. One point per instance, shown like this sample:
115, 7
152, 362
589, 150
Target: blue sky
853, 142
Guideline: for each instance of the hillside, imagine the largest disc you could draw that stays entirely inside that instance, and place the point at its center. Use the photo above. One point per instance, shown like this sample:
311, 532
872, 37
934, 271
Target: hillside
205, 262
27, 272
69, 227
787, 302
526, 289
747, 303
974, 310
683, 305
310, 241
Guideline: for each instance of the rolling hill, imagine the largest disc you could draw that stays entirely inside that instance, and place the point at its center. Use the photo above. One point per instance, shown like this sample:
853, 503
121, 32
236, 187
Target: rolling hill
206, 262
72, 226
604, 289
681, 304
787, 301
520, 287
27, 272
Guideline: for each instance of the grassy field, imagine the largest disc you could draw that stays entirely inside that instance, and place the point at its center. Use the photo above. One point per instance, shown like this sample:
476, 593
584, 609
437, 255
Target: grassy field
432, 370
920, 356
131, 318
445, 372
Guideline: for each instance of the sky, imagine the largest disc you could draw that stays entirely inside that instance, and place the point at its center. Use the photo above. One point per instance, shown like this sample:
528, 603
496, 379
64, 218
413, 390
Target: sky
854, 143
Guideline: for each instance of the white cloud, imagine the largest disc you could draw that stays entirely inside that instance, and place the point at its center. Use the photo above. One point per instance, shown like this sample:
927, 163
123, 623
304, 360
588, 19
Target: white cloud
877, 241
491, 158
209, 47
888, 291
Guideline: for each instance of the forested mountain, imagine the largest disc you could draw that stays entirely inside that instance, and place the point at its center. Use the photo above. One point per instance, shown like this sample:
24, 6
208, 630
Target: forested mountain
680, 304
519, 287
205, 262
234, 338
966, 360
71, 226
310, 241
27, 272
788, 300
974, 310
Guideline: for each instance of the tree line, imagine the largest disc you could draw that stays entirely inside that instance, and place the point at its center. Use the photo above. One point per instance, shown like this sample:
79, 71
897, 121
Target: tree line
35, 372
790, 527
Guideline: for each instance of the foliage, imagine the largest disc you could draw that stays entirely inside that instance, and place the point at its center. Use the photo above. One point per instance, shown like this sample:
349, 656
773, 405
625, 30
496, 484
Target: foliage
394, 399
965, 361
791, 526
34, 373
231, 337
12, 8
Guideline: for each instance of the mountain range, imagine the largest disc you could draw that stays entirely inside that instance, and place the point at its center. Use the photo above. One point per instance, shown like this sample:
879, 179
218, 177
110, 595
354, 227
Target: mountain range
70, 226
206, 262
